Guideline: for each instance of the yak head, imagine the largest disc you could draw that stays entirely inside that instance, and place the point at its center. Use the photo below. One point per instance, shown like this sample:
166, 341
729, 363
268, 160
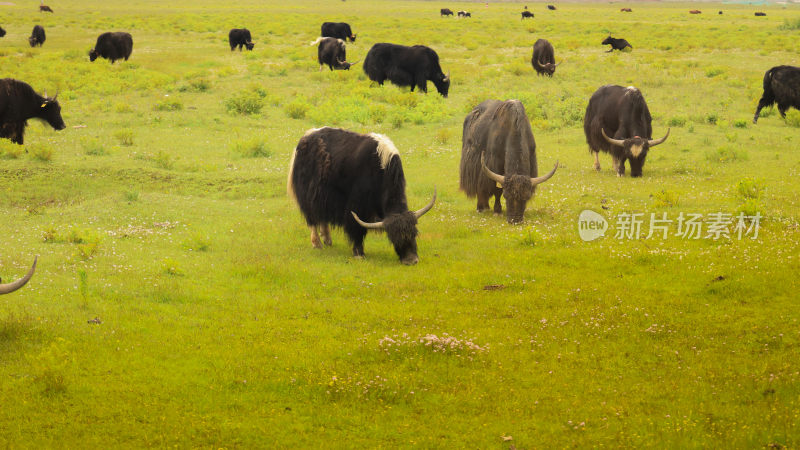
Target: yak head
249, 45
442, 83
353, 38
609, 41
93, 54
344, 65
635, 149
401, 228
548, 68
32, 41
11, 287
517, 190
50, 111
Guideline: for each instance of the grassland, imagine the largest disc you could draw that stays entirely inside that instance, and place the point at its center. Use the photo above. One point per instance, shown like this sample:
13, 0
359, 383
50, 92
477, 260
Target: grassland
165, 217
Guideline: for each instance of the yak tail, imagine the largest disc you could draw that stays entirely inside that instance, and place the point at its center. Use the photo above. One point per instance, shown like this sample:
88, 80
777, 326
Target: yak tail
768, 83
317, 41
470, 171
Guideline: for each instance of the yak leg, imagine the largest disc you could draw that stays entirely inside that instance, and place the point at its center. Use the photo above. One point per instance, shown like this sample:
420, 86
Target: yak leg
325, 232
498, 208
315, 242
421, 82
782, 109
483, 201
619, 166
596, 161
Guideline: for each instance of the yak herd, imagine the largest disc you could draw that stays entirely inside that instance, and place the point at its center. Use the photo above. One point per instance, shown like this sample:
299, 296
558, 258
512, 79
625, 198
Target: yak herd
356, 182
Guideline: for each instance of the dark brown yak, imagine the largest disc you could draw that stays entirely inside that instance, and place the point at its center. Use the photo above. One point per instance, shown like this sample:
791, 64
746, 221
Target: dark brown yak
543, 59
498, 157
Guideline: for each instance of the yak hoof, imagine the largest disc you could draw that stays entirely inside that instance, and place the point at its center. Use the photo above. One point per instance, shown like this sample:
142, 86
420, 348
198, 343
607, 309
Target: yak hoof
597, 167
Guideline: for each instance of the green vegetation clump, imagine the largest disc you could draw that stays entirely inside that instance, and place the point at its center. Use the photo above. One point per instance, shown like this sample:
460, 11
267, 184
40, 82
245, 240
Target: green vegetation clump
244, 103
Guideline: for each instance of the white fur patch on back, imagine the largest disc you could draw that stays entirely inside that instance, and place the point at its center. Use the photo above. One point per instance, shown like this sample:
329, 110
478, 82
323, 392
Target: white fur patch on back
386, 148
312, 130
342, 42
289, 187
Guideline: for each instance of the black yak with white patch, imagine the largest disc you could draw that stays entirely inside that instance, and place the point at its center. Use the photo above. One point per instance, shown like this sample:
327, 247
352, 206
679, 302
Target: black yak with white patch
11, 287
498, 157
112, 45
543, 59
332, 51
240, 37
37, 36
527, 15
781, 86
406, 66
617, 44
354, 181
18, 103
618, 122
338, 30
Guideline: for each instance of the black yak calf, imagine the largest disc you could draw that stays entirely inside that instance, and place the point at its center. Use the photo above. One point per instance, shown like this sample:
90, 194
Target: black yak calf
781, 86
406, 66
617, 44
112, 45
240, 37
18, 103
37, 36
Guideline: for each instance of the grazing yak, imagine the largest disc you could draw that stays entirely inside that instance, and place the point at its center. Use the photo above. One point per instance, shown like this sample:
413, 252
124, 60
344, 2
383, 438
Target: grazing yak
44, 8
112, 45
760, 14
498, 157
11, 287
464, 14
356, 182
551, 7
240, 37
617, 44
2, 32
338, 30
331, 51
781, 86
18, 103
406, 66
543, 59
527, 15
695, 11
621, 113
625, 10
445, 12
37, 36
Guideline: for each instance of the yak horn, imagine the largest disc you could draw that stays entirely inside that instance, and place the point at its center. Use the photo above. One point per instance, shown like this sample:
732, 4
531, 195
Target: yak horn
538, 63
655, 142
619, 142
11, 287
543, 178
426, 208
354, 63
367, 225
493, 176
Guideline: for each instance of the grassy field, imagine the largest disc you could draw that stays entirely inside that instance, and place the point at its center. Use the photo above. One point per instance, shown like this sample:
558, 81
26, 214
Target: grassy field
161, 211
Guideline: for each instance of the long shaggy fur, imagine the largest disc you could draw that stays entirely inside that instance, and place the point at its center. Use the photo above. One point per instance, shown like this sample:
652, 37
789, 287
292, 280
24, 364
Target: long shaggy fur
37, 36
781, 86
406, 66
18, 103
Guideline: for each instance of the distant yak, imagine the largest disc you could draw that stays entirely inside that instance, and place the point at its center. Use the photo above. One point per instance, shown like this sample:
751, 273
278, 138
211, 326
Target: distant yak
759, 14
37, 36
551, 7
695, 11
112, 45
543, 59
527, 15
44, 8
625, 10
406, 66
616, 44
445, 12
240, 37
11, 287
18, 103
781, 86
464, 14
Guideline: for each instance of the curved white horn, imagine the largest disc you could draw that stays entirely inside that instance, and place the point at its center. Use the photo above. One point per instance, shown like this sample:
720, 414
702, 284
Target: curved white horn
543, 178
655, 142
367, 225
426, 208
11, 287
619, 142
492, 176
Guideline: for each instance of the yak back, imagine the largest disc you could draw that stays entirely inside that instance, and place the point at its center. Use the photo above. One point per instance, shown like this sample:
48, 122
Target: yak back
782, 84
501, 130
543, 51
621, 111
336, 171
114, 44
339, 30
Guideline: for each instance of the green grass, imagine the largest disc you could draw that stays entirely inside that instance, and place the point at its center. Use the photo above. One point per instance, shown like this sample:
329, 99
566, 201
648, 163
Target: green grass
178, 302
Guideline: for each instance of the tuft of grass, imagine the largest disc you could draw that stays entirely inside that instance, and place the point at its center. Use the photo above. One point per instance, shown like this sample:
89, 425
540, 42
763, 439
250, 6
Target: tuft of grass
741, 123
41, 152
121, 107
665, 198
244, 103
93, 147
168, 105
251, 148
790, 24
10, 150
677, 121
296, 109
726, 154
131, 196
198, 242
750, 188
443, 135
124, 136
792, 118
172, 267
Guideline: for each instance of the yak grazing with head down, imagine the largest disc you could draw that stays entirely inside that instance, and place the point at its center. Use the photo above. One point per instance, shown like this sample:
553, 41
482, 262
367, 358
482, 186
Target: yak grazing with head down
622, 113
112, 45
543, 59
338, 30
331, 51
406, 66
781, 86
11, 287
339, 178
240, 37
498, 157
37, 36
2, 32
18, 103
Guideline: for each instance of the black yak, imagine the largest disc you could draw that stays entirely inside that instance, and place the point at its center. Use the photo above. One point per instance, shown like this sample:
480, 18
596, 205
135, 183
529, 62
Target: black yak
617, 121
625, 10
543, 59
331, 51
338, 30
406, 66
760, 14
37, 36
551, 7
112, 45
527, 15
11, 287
617, 44
2, 32
464, 14
356, 182
44, 8
240, 37
781, 86
498, 157
695, 11
18, 103
445, 12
